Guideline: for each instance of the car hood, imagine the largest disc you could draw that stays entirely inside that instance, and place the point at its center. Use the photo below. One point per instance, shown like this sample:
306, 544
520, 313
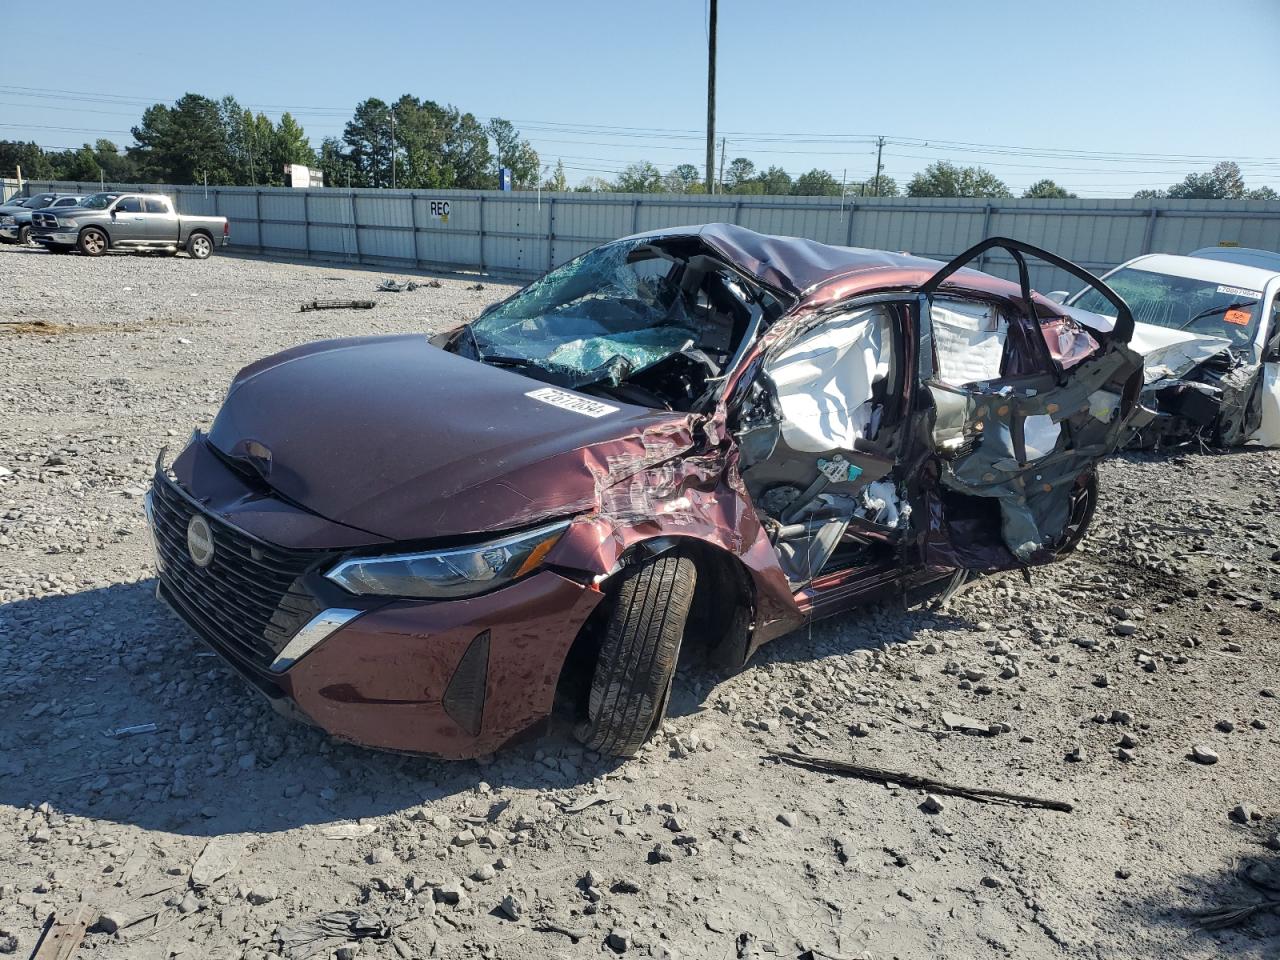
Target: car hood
402, 439
1168, 353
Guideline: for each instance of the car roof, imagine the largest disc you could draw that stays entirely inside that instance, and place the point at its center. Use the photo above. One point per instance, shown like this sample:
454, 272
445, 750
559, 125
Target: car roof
1247, 256
1202, 268
815, 272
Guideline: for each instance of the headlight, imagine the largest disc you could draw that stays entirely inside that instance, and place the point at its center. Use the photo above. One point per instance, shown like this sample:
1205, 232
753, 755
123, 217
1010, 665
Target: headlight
7, 221
458, 572
67, 223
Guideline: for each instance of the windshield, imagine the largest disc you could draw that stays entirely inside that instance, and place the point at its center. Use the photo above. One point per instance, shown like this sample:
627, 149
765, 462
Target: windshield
16, 202
616, 309
1181, 303
99, 201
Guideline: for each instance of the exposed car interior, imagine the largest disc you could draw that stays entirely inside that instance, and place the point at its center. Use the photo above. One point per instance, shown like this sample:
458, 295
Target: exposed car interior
648, 323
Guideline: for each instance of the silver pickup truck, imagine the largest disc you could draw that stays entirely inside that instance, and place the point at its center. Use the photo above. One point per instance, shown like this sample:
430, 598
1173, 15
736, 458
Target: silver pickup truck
118, 220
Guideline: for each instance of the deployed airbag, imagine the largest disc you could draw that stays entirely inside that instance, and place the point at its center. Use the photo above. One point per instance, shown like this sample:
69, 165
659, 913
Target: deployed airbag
825, 380
969, 341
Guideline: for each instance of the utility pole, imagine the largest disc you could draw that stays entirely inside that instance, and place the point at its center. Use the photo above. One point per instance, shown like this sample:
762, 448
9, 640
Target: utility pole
711, 98
879, 148
393, 149
720, 178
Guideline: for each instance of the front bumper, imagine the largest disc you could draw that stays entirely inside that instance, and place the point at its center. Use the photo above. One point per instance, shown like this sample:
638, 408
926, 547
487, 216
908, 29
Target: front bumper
453, 679
52, 236
9, 232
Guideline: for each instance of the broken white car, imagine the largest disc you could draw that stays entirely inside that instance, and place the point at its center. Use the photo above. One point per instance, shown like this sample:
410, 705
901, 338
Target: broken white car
1208, 328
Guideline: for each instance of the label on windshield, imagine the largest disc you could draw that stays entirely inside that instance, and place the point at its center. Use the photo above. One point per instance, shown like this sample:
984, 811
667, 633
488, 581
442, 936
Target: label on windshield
1240, 318
571, 401
1240, 292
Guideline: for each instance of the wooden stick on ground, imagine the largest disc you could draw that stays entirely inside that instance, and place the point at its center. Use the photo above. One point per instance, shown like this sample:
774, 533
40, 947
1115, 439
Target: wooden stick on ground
62, 939
980, 794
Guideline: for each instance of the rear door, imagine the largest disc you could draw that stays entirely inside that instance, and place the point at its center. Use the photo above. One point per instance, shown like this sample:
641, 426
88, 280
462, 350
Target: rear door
1022, 398
162, 225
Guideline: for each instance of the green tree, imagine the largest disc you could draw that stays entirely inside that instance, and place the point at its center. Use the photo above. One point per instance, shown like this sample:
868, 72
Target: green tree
368, 139
116, 167
557, 180
35, 165
513, 152
1047, 190
1151, 195
888, 187
683, 178
740, 171
183, 143
1262, 193
775, 182
639, 177
334, 163
943, 179
469, 164
816, 183
290, 145
1223, 182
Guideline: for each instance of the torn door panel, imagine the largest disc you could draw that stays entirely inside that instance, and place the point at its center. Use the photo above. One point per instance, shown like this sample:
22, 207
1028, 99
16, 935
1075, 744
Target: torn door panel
1024, 406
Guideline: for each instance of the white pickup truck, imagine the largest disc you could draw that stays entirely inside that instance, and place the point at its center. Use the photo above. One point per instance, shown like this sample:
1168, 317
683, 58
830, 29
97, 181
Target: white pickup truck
117, 220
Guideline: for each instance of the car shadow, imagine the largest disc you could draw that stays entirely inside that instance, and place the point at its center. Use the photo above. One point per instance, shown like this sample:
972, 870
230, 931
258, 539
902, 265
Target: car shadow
83, 668
1242, 896
89, 673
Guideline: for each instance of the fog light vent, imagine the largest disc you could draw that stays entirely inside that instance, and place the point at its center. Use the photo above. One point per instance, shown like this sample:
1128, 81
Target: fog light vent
464, 697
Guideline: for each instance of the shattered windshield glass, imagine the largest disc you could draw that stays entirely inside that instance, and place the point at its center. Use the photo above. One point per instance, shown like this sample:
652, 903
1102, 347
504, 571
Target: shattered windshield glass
1181, 303
613, 311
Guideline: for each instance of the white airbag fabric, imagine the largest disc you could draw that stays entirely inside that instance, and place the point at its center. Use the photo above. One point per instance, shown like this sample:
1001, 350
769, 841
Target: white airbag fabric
969, 341
1268, 432
824, 380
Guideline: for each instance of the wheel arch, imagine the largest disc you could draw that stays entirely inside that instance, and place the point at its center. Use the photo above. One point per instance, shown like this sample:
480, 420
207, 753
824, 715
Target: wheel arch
94, 226
721, 617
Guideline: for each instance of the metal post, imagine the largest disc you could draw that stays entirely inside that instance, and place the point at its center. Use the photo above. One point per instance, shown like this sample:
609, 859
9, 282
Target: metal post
848, 234
879, 148
481, 232
635, 216
413, 219
711, 97
257, 216
737, 213
986, 229
306, 221
1149, 237
355, 226
551, 232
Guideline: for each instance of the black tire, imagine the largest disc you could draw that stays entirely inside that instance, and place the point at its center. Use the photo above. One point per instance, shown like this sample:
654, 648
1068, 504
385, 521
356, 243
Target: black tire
199, 246
24, 236
93, 242
638, 654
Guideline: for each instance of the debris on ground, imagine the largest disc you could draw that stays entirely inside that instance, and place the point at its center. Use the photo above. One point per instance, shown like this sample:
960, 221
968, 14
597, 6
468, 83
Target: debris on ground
403, 286
337, 305
980, 794
318, 936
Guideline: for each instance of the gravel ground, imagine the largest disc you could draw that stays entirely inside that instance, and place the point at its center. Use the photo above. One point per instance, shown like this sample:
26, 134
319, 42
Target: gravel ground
1101, 683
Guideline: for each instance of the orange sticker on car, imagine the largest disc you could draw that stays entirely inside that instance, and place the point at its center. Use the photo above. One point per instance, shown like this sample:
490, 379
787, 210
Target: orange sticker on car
1240, 318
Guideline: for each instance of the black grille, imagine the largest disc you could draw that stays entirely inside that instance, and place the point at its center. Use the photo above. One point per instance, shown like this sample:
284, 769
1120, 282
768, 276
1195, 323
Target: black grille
249, 600
44, 220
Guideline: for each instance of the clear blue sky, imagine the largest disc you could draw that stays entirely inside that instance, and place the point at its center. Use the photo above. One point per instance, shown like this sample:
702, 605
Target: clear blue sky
1164, 87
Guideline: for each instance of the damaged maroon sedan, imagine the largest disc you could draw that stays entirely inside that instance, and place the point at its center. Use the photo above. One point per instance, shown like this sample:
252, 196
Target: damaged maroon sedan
694, 437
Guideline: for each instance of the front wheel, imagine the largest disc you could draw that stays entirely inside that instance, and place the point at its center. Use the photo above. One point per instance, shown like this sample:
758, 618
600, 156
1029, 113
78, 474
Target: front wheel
199, 246
638, 654
93, 242
24, 236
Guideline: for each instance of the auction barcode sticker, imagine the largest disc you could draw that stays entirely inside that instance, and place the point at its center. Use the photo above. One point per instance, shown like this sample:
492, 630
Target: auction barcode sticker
1239, 292
571, 401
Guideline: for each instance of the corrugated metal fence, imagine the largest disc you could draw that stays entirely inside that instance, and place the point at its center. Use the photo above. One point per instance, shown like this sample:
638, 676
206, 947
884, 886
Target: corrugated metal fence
524, 234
